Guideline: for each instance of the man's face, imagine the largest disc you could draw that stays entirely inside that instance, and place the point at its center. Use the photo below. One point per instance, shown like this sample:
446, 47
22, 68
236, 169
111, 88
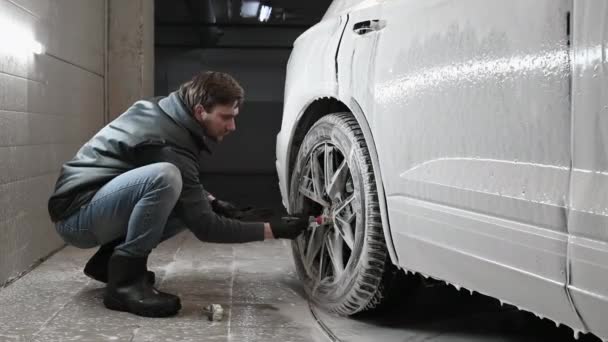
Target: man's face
219, 122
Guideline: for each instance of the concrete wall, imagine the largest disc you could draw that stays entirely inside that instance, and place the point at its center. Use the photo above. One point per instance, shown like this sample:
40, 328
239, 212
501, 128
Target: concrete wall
131, 53
261, 72
50, 103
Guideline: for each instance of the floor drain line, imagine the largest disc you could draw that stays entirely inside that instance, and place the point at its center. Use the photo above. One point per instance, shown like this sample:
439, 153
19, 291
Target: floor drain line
324, 327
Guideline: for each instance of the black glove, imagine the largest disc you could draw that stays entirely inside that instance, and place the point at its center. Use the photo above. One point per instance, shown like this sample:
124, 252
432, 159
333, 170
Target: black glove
288, 227
224, 208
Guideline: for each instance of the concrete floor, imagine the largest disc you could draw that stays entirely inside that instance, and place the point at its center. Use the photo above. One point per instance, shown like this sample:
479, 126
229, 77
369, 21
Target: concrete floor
259, 290
255, 283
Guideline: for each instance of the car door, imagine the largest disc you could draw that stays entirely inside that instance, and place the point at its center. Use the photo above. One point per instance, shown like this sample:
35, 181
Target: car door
471, 119
588, 215
355, 77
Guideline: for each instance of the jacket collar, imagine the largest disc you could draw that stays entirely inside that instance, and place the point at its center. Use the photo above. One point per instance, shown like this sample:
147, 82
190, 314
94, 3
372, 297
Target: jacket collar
177, 110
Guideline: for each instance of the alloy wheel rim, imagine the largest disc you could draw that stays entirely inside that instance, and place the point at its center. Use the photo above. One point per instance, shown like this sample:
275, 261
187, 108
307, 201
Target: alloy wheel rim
326, 183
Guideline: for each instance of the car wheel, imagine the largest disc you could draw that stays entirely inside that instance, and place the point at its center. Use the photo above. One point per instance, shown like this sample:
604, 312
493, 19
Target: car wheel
343, 263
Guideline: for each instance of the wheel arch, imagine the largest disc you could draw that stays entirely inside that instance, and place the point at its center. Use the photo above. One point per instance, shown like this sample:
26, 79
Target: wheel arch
321, 107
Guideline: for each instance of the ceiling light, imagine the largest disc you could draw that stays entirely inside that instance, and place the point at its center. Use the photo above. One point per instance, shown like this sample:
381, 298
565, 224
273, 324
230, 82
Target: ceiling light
265, 12
249, 9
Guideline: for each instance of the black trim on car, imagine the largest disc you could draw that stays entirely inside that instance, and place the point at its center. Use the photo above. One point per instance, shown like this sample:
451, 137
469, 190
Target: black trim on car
339, 44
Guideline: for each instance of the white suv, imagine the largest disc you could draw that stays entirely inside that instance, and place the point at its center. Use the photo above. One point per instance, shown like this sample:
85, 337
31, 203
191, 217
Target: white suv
465, 140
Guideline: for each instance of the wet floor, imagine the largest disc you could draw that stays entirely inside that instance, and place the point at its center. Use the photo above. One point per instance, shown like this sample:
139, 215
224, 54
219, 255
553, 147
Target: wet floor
255, 283
263, 300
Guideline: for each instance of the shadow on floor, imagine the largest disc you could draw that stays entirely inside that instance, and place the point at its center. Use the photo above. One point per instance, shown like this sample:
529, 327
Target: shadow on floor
437, 312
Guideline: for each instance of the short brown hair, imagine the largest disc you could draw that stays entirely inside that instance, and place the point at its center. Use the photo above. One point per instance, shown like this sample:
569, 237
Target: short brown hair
211, 88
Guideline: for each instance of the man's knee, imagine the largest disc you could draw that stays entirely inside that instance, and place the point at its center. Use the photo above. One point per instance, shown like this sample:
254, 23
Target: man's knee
168, 176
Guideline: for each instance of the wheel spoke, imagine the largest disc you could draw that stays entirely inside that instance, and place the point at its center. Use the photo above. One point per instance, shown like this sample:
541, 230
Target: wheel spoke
334, 246
315, 244
316, 172
312, 195
347, 233
301, 242
312, 183
345, 219
345, 204
336, 185
322, 262
328, 164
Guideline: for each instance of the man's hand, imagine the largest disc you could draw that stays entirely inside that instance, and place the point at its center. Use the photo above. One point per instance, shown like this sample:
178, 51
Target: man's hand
288, 227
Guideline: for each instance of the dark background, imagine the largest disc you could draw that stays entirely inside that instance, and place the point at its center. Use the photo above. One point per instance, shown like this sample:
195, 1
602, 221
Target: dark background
198, 35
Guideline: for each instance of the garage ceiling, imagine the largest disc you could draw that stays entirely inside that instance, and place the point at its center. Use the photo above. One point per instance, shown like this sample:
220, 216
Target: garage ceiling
234, 23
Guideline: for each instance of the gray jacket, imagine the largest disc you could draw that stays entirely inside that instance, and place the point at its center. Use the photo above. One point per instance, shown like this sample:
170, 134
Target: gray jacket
151, 131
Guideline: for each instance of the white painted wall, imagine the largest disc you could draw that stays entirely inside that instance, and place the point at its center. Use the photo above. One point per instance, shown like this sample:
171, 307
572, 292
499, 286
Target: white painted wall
130, 54
49, 105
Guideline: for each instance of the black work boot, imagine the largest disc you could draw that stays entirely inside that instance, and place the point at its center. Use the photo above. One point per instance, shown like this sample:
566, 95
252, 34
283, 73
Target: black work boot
97, 266
128, 290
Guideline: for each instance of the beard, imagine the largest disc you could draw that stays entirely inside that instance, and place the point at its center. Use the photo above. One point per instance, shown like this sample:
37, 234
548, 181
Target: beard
213, 137
216, 138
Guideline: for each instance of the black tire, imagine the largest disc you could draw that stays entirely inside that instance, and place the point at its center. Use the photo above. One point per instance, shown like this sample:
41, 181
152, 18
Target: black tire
368, 271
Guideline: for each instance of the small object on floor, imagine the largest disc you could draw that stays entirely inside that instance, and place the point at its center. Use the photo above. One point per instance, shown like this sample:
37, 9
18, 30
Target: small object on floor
214, 312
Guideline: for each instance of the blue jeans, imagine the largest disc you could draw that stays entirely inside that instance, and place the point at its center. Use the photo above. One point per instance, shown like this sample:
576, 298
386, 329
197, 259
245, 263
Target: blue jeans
135, 205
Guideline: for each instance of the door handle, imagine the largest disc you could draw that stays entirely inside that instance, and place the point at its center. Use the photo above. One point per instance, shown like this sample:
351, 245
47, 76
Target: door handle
367, 26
